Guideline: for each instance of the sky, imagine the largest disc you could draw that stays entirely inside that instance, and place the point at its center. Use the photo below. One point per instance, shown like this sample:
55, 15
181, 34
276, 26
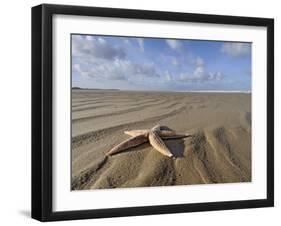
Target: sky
130, 63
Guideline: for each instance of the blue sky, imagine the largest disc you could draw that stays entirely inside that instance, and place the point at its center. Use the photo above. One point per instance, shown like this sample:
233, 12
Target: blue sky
129, 63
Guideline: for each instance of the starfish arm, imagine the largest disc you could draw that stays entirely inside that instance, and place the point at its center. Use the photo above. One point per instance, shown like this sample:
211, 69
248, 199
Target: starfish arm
156, 128
129, 143
134, 133
176, 136
158, 144
166, 133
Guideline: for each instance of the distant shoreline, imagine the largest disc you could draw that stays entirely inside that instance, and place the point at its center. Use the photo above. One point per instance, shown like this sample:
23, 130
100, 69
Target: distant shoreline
79, 88
171, 91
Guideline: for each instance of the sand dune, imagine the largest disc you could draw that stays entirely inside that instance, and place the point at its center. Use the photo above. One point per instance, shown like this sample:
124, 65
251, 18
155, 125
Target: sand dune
218, 152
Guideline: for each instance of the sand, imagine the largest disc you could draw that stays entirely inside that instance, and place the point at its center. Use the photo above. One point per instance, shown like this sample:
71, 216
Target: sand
218, 152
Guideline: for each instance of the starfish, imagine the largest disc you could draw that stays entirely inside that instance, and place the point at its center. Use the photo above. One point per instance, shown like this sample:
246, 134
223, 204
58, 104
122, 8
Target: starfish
154, 136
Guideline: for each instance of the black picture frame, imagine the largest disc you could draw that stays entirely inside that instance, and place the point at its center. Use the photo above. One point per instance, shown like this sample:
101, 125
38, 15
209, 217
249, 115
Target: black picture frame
42, 107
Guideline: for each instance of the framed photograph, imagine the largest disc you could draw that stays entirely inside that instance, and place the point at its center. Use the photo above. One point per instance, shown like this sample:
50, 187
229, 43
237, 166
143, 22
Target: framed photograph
145, 112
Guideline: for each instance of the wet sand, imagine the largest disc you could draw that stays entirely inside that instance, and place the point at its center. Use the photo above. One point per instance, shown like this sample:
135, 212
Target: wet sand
219, 150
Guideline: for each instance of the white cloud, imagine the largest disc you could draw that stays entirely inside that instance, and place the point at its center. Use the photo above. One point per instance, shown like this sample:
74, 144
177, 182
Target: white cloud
174, 44
200, 75
199, 61
117, 69
175, 62
88, 37
199, 72
79, 70
141, 44
127, 41
101, 41
168, 76
95, 47
236, 49
94, 57
103, 61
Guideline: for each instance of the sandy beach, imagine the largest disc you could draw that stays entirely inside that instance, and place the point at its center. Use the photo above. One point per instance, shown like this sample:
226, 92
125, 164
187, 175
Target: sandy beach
219, 150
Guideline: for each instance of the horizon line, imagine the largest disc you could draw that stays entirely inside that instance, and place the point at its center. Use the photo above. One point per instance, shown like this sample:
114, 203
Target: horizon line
194, 91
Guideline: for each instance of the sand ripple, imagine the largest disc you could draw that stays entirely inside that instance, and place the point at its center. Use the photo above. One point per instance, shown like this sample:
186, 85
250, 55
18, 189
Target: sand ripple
218, 152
